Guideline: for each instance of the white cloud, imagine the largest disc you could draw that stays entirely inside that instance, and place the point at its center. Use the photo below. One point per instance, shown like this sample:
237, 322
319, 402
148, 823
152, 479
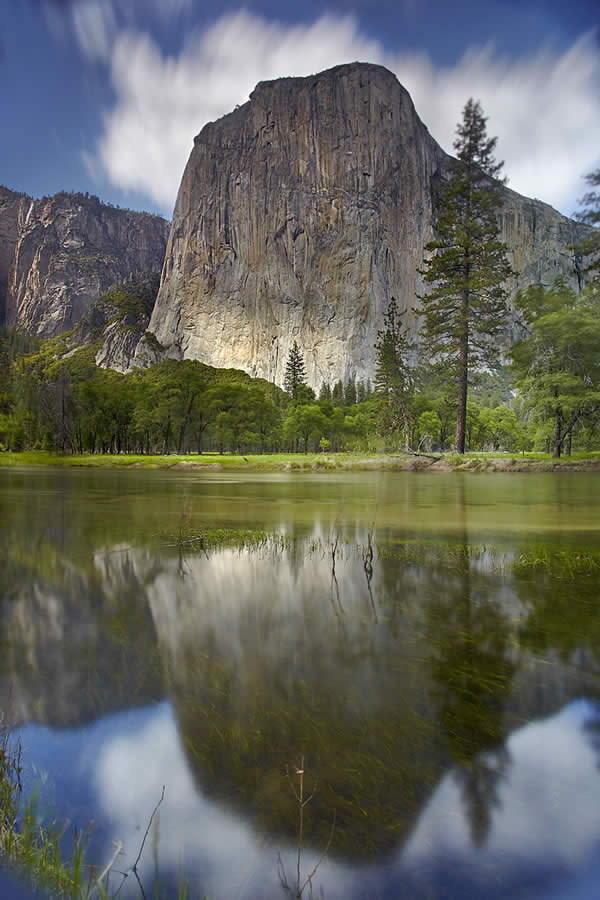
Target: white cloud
95, 26
545, 107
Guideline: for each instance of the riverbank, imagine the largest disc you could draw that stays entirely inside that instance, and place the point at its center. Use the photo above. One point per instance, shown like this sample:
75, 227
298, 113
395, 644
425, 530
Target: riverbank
316, 462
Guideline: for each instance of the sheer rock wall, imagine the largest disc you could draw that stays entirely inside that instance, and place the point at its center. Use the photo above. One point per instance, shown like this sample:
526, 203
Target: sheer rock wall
301, 213
65, 251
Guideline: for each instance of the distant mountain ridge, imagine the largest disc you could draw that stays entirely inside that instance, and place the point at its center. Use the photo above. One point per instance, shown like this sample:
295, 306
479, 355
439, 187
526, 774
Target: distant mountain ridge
59, 254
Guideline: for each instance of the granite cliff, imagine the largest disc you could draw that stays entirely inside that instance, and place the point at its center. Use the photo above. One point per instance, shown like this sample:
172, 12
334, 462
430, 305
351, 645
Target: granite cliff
59, 254
13, 207
302, 212
299, 215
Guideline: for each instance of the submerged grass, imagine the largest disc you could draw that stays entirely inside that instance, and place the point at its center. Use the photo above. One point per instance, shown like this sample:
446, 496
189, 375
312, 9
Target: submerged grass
557, 562
33, 852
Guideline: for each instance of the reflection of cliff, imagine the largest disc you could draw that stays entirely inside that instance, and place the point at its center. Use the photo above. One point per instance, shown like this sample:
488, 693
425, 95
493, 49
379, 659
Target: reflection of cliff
266, 661
266, 656
543, 842
76, 644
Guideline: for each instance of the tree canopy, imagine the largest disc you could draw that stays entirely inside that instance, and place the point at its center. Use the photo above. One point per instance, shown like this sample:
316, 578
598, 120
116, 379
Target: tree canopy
557, 367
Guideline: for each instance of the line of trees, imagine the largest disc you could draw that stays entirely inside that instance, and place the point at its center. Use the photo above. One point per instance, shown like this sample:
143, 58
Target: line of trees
68, 404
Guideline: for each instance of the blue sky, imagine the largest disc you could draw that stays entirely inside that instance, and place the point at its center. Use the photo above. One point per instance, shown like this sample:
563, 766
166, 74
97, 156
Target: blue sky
106, 95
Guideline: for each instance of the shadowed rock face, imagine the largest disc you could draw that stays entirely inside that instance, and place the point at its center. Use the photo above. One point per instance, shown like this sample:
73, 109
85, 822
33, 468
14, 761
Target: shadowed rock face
302, 213
13, 206
62, 253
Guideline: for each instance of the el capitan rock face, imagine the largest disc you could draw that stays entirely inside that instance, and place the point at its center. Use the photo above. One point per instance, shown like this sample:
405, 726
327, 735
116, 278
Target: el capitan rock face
13, 208
302, 213
64, 252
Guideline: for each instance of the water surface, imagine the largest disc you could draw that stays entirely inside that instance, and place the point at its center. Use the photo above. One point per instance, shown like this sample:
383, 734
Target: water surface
442, 699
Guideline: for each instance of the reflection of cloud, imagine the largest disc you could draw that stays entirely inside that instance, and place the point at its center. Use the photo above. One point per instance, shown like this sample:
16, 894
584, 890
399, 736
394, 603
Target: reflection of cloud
544, 833
548, 812
195, 833
163, 101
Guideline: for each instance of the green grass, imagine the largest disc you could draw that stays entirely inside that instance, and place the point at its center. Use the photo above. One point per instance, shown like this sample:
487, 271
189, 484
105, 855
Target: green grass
287, 462
34, 852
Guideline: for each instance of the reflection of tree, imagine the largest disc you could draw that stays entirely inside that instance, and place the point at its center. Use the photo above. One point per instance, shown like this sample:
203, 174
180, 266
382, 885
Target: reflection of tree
560, 592
591, 727
472, 676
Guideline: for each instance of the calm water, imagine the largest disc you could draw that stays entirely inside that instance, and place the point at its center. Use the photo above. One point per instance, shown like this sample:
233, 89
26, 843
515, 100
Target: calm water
443, 702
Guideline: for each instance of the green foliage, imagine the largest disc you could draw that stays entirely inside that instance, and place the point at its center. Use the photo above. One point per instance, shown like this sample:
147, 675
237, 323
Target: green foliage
152, 341
394, 376
325, 392
295, 372
337, 394
464, 310
131, 303
557, 368
591, 216
491, 388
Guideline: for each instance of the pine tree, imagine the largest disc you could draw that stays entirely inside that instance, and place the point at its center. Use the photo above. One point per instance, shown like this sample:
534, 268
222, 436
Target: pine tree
325, 392
466, 310
337, 393
350, 392
295, 372
394, 380
590, 246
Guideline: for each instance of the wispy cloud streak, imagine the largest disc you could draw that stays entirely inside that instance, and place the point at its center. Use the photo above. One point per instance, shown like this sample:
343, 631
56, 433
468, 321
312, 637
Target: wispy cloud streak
545, 108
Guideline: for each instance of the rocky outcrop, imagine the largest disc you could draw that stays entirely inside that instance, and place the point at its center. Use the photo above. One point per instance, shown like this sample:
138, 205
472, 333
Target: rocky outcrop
13, 208
68, 250
302, 213
117, 324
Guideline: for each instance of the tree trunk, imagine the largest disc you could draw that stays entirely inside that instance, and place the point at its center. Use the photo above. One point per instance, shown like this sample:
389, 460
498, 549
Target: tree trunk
557, 436
406, 423
463, 362
461, 413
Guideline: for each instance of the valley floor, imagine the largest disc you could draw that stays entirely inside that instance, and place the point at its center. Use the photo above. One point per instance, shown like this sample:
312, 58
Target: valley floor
317, 462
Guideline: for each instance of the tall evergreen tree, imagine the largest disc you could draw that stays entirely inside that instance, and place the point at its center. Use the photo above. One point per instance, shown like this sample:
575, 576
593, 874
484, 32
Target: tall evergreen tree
350, 392
337, 393
394, 380
465, 310
325, 392
295, 372
591, 216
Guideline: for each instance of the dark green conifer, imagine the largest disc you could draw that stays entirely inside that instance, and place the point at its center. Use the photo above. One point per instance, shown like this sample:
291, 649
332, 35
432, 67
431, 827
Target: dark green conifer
325, 392
465, 310
337, 393
350, 393
394, 377
295, 372
590, 246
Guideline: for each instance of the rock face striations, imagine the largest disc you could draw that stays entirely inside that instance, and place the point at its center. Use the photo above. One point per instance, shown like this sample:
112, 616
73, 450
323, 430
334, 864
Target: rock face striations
13, 208
302, 213
59, 254
299, 216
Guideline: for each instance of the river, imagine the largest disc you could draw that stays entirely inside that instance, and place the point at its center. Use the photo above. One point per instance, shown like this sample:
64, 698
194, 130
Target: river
418, 654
